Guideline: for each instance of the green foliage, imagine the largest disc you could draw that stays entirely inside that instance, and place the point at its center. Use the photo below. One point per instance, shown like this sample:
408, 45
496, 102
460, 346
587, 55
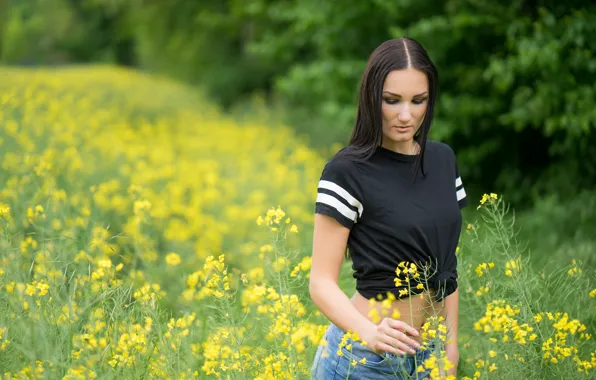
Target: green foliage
65, 31
203, 43
32, 28
517, 79
495, 269
517, 84
561, 228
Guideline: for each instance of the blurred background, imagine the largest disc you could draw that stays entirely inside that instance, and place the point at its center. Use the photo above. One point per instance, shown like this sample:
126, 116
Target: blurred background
517, 78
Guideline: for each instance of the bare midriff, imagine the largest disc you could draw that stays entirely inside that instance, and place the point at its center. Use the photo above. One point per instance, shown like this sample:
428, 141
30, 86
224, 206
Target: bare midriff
414, 310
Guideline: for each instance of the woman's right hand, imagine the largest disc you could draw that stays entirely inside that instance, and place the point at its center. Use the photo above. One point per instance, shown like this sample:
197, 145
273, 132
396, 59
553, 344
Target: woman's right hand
391, 335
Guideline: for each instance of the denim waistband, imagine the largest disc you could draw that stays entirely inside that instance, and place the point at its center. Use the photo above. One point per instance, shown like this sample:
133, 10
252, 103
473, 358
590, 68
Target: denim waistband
356, 361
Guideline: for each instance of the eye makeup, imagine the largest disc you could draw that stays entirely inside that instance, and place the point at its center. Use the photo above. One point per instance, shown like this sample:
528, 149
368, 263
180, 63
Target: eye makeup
395, 101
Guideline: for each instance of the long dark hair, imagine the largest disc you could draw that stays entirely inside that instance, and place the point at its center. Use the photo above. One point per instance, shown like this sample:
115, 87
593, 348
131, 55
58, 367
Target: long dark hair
394, 54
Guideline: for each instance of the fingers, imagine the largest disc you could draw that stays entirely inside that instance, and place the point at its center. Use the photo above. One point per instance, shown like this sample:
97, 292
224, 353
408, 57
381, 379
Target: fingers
389, 348
406, 339
396, 337
402, 326
400, 340
397, 347
408, 342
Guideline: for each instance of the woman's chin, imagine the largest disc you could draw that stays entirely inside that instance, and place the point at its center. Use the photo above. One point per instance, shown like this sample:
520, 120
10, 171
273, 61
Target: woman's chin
401, 138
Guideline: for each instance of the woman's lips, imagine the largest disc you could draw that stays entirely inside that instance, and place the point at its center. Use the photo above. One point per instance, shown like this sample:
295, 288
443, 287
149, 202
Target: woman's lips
402, 128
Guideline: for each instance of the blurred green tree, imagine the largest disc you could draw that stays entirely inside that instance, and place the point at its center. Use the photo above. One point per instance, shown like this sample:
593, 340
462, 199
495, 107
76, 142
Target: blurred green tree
517, 80
67, 31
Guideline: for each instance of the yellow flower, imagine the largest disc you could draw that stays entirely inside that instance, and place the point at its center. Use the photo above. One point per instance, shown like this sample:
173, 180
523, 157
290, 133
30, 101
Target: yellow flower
512, 267
490, 198
575, 269
4, 211
279, 264
173, 259
482, 290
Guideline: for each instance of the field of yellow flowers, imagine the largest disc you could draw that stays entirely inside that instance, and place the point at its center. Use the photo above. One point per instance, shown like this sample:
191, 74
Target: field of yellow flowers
143, 234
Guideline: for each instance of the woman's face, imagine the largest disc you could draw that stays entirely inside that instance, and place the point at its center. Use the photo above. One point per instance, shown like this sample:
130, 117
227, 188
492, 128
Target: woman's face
405, 98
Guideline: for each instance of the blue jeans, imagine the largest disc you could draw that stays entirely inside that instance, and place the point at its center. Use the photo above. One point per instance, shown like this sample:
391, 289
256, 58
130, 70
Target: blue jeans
328, 365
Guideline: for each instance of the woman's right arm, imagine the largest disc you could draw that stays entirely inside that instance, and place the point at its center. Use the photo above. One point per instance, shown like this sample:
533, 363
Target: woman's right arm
329, 246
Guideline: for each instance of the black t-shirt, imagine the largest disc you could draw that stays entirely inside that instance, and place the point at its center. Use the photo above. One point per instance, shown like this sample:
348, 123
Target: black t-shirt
393, 218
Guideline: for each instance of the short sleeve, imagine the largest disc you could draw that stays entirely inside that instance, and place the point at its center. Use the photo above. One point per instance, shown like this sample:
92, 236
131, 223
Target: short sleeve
462, 199
338, 194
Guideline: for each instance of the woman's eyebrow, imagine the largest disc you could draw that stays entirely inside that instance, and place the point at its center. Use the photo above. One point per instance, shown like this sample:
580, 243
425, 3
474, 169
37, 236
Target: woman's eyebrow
391, 93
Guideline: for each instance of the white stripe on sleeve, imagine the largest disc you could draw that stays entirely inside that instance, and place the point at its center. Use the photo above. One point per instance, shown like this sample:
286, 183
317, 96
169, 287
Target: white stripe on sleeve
461, 194
333, 202
343, 193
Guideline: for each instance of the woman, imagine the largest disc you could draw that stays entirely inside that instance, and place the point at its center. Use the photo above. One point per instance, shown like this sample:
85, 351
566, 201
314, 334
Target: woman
389, 197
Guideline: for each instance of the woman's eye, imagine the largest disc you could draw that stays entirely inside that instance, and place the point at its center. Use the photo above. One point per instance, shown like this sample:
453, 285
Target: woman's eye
415, 101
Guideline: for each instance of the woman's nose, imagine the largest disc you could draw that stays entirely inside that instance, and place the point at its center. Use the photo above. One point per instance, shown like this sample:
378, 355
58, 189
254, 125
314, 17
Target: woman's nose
404, 116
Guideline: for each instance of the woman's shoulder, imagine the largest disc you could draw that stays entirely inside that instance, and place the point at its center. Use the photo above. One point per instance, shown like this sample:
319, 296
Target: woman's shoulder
346, 163
439, 148
346, 158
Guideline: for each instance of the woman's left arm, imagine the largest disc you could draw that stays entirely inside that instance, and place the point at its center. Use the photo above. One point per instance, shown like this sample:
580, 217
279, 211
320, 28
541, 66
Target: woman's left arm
452, 321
